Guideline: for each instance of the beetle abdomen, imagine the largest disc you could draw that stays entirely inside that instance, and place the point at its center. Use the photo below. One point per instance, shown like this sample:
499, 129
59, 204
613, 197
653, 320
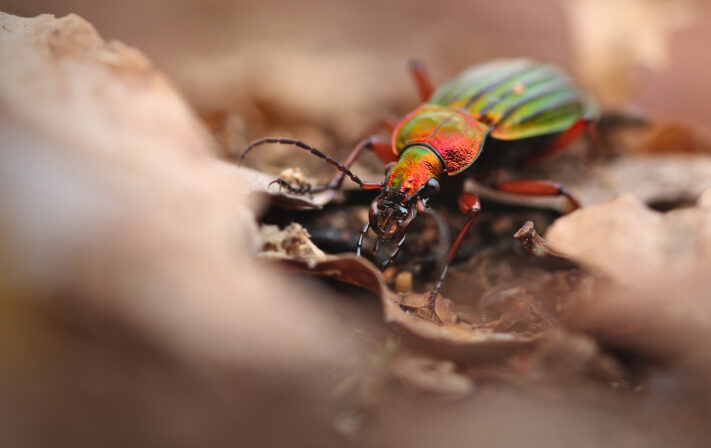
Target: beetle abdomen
518, 98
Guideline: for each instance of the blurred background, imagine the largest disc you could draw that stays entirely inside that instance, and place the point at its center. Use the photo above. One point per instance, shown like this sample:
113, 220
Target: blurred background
154, 326
321, 57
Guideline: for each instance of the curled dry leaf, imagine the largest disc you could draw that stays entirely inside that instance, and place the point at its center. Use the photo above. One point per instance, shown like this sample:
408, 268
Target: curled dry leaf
445, 311
658, 264
632, 243
409, 311
112, 194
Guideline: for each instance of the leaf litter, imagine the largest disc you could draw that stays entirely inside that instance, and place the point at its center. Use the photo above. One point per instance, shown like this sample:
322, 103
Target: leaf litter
517, 297
612, 303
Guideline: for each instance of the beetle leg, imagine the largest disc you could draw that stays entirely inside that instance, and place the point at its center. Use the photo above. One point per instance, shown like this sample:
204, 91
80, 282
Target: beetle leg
359, 246
469, 204
394, 253
535, 187
422, 79
378, 145
381, 148
344, 171
304, 189
584, 125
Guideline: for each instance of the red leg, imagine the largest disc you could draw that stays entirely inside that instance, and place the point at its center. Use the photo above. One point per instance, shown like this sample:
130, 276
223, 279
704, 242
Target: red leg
422, 79
580, 127
536, 188
468, 204
381, 148
344, 171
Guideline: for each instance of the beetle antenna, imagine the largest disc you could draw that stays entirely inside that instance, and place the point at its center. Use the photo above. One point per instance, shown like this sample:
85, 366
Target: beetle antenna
287, 141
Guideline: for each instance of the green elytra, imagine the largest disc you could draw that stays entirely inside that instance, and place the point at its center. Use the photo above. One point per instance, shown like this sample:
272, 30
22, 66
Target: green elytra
506, 100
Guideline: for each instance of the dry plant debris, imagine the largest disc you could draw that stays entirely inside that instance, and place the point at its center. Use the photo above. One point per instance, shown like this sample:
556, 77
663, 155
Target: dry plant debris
135, 225
633, 244
291, 243
135, 189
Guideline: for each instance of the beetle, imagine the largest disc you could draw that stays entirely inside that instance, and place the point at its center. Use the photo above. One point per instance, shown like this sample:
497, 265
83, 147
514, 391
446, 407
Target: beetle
505, 113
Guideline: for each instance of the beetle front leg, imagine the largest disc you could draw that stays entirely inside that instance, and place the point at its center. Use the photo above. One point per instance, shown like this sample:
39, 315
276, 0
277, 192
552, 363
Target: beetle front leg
378, 145
372, 143
470, 205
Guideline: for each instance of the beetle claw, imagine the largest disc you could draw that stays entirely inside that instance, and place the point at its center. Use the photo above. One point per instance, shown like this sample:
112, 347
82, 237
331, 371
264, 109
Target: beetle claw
301, 189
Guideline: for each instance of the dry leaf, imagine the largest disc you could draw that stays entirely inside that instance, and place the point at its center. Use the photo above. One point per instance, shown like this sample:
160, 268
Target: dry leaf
407, 312
658, 264
631, 243
112, 194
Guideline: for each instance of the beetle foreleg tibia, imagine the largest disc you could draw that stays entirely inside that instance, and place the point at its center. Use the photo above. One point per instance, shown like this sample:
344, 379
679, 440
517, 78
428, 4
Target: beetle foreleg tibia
468, 203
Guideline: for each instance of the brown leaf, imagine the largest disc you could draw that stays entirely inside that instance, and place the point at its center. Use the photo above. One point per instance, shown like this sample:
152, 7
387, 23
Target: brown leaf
631, 243
407, 312
445, 311
112, 194
657, 298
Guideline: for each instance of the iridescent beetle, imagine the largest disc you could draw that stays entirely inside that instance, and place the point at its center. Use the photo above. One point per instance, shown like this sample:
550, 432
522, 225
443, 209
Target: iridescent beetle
504, 113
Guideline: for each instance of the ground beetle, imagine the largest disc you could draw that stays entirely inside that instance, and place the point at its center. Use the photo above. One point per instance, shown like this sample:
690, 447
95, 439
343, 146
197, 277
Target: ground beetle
501, 114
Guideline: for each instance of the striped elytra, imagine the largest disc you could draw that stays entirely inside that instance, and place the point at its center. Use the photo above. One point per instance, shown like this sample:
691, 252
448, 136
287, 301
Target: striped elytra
518, 98
488, 107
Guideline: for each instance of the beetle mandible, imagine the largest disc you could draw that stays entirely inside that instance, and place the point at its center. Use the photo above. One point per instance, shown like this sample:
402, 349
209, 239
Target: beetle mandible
504, 113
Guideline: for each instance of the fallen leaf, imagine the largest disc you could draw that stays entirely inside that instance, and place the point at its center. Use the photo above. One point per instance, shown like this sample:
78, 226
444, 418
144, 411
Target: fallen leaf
656, 298
403, 311
113, 194
631, 243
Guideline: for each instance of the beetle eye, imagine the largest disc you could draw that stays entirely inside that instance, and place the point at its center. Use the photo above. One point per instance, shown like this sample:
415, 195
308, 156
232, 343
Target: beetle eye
431, 188
388, 167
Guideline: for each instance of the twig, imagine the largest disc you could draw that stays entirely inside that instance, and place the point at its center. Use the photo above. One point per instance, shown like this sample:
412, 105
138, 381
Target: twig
534, 243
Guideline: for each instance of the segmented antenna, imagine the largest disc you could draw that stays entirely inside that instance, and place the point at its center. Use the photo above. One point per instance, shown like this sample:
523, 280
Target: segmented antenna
311, 149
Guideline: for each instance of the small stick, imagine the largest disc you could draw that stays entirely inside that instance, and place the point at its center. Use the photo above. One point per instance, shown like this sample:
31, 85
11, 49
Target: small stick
534, 243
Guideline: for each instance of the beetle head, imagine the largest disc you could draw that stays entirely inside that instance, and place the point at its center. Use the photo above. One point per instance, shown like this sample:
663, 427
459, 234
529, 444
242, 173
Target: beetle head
410, 183
391, 214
